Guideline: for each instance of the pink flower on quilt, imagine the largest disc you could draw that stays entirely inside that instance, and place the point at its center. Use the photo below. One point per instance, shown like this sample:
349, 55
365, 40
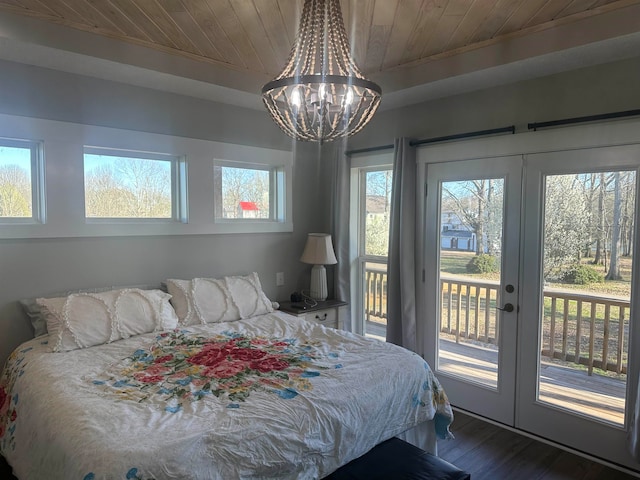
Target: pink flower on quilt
2, 430
247, 354
156, 370
14, 415
225, 370
144, 378
4, 401
268, 364
209, 357
163, 359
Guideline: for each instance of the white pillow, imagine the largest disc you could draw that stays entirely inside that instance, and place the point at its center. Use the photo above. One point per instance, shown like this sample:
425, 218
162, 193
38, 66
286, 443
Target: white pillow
248, 296
202, 300
209, 300
83, 320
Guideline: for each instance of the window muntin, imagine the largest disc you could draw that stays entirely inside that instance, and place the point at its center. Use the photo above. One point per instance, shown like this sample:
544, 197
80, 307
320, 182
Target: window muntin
20, 177
248, 192
131, 185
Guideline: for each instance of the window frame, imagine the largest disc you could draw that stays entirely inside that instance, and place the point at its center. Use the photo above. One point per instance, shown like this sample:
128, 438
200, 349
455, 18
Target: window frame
277, 212
61, 163
37, 182
279, 203
360, 166
178, 169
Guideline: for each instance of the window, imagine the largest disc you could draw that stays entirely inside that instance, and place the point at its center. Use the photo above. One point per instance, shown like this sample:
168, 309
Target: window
20, 175
248, 192
132, 185
103, 182
371, 201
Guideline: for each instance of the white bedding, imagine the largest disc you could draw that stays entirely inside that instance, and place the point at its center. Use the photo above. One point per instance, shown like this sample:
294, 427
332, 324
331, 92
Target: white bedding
268, 397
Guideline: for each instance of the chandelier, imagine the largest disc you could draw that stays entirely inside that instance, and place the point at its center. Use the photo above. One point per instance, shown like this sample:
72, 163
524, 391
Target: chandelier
321, 95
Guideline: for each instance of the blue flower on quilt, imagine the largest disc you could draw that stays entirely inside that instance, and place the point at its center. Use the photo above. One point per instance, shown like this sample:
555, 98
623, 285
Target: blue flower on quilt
233, 405
309, 374
333, 355
173, 408
287, 393
133, 473
89, 476
417, 402
184, 381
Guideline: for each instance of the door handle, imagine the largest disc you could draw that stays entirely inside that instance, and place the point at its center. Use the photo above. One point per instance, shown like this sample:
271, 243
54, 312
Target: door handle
508, 307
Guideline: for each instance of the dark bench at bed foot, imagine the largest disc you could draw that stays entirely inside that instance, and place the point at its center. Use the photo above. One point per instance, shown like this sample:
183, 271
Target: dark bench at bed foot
396, 459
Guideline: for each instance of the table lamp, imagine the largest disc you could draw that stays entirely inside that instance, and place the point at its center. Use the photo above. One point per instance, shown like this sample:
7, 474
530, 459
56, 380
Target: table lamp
318, 252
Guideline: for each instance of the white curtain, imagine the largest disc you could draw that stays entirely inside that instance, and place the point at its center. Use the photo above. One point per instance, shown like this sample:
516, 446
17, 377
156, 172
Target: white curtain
340, 231
402, 269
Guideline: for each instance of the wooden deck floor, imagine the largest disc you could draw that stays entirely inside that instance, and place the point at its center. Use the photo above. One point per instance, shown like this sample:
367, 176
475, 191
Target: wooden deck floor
563, 386
560, 385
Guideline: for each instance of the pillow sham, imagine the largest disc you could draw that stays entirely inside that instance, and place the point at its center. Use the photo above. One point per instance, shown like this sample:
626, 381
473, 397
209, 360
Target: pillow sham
202, 300
210, 300
36, 314
82, 320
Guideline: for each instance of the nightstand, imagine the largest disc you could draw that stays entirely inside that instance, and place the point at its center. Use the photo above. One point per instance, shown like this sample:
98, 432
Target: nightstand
325, 313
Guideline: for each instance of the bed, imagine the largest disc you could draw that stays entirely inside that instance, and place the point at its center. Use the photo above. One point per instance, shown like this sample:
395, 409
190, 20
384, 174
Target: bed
182, 389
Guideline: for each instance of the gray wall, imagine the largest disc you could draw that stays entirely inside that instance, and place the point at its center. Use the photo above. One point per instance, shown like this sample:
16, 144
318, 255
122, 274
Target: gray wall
604, 88
30, 268
36, 267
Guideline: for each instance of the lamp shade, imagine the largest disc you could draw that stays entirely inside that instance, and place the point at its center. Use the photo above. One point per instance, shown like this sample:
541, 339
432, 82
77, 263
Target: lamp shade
318, 250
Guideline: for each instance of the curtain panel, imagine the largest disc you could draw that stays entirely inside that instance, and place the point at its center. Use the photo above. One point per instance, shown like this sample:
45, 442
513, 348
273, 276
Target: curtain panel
340, 207
402, 268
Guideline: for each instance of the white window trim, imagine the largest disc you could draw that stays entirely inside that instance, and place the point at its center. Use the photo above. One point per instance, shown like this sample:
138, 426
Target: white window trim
63, 165
37, 183
360, 164
279, 177
179, 212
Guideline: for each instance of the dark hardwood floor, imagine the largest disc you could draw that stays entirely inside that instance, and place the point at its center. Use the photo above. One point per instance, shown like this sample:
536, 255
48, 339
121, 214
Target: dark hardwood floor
5, 470
489, 452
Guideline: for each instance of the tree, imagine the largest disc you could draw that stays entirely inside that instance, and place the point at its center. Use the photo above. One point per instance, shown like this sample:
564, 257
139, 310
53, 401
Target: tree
234, 185
614, 266
478, 204
565, 217
128, 188
15, 192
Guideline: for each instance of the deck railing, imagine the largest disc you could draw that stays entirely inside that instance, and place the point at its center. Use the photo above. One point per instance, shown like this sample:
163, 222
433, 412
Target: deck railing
580, 328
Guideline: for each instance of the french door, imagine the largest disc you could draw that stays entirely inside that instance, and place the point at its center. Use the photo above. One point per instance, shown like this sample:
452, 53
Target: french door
530, 292
473, 214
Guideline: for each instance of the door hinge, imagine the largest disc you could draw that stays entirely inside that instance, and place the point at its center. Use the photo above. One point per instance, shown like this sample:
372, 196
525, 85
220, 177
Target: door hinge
423, 275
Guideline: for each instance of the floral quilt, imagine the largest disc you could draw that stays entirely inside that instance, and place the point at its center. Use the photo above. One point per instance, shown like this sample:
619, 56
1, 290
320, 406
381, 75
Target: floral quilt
268, 397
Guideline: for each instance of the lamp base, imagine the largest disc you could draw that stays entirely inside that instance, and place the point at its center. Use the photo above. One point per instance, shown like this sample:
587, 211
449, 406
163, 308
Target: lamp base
318, 288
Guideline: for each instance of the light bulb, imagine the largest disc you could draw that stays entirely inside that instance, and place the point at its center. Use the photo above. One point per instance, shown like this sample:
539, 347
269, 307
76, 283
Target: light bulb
296, 99
348, 100
322, 91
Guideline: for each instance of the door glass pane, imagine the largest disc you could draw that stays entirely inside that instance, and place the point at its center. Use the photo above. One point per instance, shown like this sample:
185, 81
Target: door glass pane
587, 264
471, 228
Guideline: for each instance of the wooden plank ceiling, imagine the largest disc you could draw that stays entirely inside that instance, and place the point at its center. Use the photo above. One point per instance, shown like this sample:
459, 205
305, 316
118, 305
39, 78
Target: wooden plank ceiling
256, 35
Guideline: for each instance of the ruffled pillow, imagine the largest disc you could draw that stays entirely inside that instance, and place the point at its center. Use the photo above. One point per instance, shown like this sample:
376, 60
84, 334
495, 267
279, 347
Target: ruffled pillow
210, 300
83, 320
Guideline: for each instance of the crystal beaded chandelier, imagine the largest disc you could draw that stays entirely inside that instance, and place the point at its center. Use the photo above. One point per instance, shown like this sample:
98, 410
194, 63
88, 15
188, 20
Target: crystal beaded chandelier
321, 95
